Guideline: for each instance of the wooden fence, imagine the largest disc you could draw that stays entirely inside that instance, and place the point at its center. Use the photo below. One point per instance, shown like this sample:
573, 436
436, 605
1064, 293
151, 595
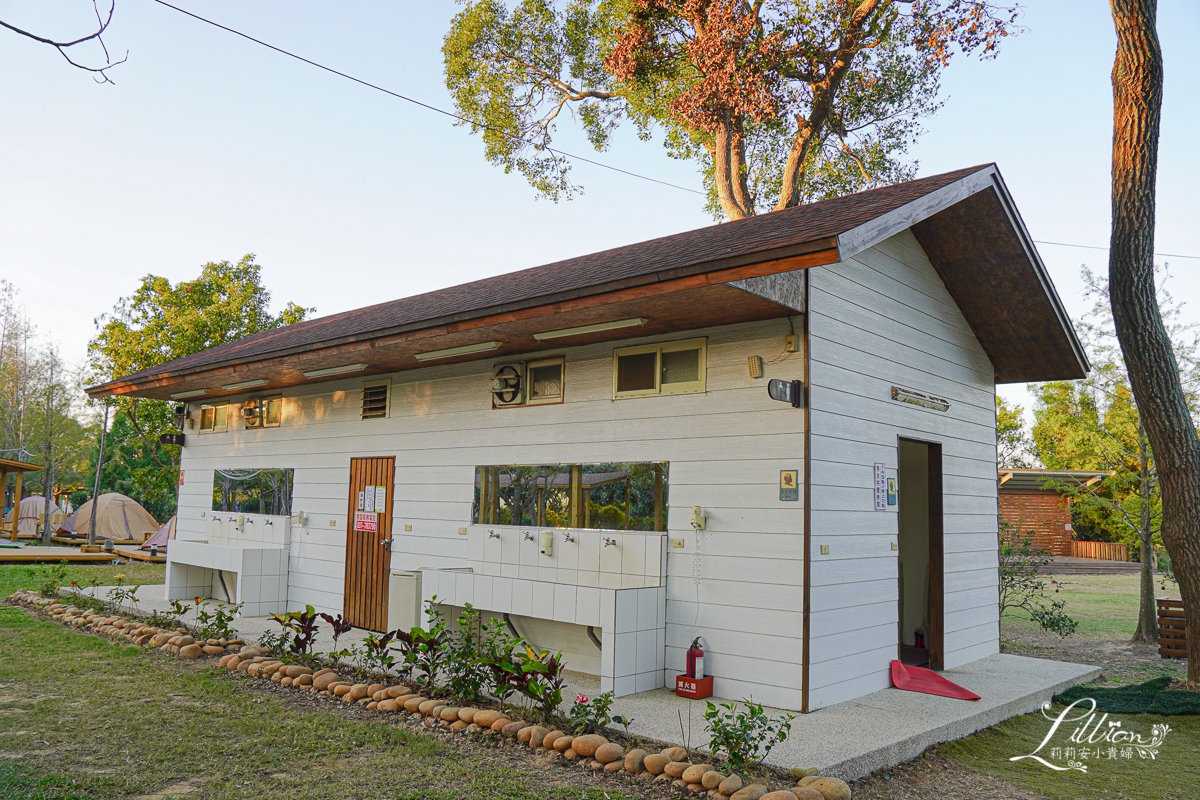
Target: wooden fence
1172, 638
1108, 551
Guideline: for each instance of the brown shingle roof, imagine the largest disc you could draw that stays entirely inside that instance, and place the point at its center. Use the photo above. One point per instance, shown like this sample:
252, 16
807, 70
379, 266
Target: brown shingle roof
764, 234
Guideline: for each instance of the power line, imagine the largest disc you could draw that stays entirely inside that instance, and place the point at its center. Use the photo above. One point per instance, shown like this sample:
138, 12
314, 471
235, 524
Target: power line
418, 102
1094, 247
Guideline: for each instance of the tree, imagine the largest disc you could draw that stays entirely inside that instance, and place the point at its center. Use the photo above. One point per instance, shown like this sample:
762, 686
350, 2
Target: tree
1137, 79
779, 103
64, 46
159, 323
1012, 440
1095, 424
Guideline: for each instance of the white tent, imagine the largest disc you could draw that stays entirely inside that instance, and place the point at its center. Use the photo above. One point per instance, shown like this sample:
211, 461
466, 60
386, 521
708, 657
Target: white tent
31, 511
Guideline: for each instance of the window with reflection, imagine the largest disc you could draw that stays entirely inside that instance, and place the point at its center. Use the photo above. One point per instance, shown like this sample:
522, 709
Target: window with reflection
253, 491
628, 496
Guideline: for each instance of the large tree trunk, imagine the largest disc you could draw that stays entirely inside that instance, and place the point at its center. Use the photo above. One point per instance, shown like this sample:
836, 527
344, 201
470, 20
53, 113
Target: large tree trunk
1137, 105
1147, 627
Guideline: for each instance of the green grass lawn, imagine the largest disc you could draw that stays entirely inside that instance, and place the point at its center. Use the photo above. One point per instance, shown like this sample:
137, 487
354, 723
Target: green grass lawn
33, 576
1173, 775
1103, 605
83, 717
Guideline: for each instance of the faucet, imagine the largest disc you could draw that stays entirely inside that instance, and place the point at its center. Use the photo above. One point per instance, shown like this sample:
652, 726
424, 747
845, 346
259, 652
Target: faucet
528, 536
492, 534
608, 541
567, 537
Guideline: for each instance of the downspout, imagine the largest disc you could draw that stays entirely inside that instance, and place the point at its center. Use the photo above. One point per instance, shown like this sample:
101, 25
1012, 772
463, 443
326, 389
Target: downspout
807, 597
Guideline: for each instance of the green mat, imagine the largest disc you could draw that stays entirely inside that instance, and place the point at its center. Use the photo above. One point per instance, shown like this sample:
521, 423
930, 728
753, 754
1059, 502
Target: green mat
1150, 697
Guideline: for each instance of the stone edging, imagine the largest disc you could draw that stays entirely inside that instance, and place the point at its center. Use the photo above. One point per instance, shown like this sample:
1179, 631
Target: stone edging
589, 751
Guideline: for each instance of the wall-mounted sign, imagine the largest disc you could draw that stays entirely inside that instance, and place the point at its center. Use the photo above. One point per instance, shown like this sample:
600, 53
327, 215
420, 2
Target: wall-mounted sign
366, 521
181, 477
380, 498
789, 484
881, 487
368, 498
891, 491
919, 399
360, 501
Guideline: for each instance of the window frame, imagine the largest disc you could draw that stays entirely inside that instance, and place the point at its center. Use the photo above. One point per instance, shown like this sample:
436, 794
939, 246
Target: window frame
266, 404
562, 385
387, 399
215, 409
660, 389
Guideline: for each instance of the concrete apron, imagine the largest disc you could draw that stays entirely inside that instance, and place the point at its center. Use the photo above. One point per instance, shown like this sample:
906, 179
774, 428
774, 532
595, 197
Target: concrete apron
847, 740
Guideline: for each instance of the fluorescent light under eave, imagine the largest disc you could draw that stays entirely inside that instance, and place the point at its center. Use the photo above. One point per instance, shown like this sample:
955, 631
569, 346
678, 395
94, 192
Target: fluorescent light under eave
342, 370
192, 393
596, 328
466, 349
244, 384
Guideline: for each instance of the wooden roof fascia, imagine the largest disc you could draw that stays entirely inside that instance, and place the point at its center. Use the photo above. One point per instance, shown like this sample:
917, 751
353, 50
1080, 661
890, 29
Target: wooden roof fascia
810, 258
9, 465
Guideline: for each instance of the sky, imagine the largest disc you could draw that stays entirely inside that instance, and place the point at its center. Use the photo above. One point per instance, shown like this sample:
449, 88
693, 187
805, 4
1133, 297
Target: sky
209, 147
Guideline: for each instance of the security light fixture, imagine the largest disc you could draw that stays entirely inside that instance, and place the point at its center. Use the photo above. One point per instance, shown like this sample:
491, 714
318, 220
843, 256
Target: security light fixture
466, 349
342, 370
596, 328
192, 393
245, 384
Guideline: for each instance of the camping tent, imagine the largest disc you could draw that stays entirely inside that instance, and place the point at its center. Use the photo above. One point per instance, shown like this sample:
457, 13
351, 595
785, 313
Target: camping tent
165, 534
32, 509
117, 517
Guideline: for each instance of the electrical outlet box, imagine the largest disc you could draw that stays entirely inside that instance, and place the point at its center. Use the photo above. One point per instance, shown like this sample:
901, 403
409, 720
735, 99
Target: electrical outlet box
677, 543
824, 549
407, 527
333, 523
792, 343
462, 531
895, 546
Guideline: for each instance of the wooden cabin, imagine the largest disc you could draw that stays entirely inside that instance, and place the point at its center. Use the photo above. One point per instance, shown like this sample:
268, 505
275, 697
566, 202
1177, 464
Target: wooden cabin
590, 448
1037, 503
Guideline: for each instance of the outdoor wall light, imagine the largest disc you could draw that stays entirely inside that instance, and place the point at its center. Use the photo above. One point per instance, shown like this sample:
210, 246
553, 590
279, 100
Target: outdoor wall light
192, 393
244, 384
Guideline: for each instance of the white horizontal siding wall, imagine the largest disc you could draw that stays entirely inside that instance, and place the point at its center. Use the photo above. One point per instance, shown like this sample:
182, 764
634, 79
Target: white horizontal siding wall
726, 448
879, 320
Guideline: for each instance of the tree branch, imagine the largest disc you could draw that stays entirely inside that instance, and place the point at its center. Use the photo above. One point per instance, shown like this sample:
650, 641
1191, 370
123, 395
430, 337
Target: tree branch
96, 35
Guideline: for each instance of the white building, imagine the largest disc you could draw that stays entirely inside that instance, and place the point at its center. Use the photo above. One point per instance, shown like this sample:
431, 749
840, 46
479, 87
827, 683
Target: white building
835, 534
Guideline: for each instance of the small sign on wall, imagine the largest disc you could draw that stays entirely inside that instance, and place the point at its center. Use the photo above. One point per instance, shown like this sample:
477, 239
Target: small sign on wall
789, 484
369, 499
366, 521
380, 498
360, 501
881, 486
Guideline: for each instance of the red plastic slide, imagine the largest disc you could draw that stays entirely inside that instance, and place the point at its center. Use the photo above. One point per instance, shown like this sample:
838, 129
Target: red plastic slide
919, 679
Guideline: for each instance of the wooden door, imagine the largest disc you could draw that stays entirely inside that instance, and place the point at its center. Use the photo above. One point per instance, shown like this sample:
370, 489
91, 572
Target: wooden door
368, 542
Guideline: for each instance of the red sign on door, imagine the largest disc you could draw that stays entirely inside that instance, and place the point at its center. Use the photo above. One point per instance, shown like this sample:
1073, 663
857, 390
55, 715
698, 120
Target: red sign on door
366, 521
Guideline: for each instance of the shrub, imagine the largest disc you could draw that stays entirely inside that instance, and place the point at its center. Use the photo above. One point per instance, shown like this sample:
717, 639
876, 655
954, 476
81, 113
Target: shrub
301, 628
744, 736
216, 624
590, 715
1021, 586
422, 650
469, 649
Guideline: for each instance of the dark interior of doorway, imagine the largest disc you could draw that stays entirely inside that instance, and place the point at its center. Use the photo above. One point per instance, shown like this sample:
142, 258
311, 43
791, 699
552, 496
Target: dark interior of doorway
919, 565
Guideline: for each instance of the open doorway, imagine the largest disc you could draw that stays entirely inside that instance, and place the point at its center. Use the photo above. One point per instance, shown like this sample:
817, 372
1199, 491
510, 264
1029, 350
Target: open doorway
919, 565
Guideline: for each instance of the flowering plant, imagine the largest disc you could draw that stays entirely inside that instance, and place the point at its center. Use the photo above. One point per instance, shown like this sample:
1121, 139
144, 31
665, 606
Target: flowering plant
589, 715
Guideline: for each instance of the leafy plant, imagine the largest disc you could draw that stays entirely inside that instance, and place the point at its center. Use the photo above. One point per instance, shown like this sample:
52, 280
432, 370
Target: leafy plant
339, 626
179, 608
376, 651
277, 641
1022, 586
744, 736
422, 650
120, 596
215, 624
303, 628
539, 676
466, 662
51, 577
589, 715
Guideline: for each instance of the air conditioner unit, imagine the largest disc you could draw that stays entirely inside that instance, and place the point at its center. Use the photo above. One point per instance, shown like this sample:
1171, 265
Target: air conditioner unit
508, 384
252, 413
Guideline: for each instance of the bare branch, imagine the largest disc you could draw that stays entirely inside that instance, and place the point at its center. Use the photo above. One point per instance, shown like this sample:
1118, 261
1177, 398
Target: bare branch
97, 35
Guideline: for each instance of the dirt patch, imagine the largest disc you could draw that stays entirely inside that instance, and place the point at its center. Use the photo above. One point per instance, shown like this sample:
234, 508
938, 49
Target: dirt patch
1120, 661
931, 777
1183, 686
181, 789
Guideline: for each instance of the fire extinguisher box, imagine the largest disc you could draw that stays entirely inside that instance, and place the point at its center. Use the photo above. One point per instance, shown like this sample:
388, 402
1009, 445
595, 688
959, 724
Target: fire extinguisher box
695, 688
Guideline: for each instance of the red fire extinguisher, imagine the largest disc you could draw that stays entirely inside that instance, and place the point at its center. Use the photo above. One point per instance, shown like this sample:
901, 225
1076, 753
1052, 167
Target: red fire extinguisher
695, 660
